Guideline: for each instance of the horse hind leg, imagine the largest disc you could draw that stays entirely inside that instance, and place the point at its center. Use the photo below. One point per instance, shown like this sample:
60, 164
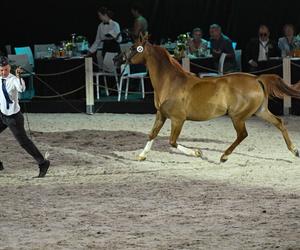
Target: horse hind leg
176, 127
266, 115
242, 133
158, 124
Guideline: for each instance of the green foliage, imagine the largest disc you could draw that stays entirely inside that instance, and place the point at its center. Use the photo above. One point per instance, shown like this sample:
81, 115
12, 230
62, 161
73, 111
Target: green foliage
80, 39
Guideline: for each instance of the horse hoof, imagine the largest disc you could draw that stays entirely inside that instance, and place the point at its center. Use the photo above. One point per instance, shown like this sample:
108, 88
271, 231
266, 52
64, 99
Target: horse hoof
296, 153
224, 158
141, 158
198, 153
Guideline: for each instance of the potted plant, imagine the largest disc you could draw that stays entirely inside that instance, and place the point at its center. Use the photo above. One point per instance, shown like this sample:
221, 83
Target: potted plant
181, 46
69, 46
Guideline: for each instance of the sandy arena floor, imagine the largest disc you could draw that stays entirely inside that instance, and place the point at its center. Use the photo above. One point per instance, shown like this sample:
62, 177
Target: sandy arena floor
97, 196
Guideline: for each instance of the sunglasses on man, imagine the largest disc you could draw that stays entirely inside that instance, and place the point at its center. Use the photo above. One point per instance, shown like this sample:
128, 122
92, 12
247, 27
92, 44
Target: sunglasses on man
263, 34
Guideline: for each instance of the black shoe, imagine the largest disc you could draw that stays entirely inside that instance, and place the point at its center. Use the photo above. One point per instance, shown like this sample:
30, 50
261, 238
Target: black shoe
1, 166
43, 168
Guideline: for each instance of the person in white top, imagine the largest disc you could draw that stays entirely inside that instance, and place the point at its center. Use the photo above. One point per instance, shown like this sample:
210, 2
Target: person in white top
108, 34
197, 43
11, 116
288, 42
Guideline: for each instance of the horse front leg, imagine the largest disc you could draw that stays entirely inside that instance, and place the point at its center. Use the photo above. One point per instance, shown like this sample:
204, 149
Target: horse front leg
176, 127
158, 124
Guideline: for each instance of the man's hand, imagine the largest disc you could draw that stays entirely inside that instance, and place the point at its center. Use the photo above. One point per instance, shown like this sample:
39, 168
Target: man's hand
19, 71
217, 51
253, 63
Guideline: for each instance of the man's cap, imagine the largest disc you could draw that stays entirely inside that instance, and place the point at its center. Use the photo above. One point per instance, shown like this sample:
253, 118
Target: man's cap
3, 61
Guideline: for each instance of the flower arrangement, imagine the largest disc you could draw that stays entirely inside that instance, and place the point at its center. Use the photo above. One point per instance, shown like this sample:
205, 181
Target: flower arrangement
181, 46
69, 46
80, 39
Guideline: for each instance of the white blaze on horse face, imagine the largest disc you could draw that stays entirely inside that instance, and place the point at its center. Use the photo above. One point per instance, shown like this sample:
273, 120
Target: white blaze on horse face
140, 49
146, 149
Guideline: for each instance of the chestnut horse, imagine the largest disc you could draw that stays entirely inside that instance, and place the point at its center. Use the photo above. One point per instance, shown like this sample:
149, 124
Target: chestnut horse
180, 96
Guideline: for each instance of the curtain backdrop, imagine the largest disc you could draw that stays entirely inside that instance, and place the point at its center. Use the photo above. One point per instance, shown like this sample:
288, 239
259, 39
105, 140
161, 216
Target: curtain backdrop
30, 22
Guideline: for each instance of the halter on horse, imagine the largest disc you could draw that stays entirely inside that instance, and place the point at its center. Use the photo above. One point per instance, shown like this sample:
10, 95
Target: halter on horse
180, 96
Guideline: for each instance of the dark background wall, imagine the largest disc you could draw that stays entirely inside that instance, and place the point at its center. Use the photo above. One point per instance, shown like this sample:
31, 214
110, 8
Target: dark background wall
46, 21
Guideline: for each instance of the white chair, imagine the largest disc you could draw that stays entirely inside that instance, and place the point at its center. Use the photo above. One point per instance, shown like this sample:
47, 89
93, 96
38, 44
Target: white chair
42, 50
27, 51
108, 69
220, 68
22, 60
127, 76
234, 44
238, 59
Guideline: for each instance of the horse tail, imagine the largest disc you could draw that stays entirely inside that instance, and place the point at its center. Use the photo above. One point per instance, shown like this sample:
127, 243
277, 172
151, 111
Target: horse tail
274, 86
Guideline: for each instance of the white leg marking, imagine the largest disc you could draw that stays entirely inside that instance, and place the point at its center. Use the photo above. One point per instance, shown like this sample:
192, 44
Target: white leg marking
142, 156
189, 151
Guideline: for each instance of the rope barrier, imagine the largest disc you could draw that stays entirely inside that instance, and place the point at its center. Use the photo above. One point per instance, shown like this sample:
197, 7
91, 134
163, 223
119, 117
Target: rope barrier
123, 91
295, 64
264, 70
118, 74
60, 73
64, 94
102, 70
57, 93
252, 72
202, 67
98, 66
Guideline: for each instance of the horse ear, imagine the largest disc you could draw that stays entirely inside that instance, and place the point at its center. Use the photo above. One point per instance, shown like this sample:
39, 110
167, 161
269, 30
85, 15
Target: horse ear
141, 37
146, 36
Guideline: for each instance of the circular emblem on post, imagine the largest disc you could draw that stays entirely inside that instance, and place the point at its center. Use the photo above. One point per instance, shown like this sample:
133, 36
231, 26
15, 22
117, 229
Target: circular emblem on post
140, 49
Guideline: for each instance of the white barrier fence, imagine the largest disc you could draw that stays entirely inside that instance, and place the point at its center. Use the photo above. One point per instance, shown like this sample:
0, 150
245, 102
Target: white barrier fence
89, 86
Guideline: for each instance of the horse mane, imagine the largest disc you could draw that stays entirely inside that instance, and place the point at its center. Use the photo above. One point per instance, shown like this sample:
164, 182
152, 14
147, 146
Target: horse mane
164, 54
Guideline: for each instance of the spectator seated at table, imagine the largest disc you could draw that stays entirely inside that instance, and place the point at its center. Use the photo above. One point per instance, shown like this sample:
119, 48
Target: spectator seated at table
288, 43
219, 43
260, 48
197, 45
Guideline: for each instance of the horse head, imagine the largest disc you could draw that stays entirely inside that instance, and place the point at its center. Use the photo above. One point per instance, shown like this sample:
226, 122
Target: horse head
135, 54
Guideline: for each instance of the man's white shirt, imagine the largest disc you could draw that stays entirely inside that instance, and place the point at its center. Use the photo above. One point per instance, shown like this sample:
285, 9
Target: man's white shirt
263, 51
13, 86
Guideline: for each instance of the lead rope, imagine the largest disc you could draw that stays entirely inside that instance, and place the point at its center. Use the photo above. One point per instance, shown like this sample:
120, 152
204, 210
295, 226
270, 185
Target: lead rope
47, 154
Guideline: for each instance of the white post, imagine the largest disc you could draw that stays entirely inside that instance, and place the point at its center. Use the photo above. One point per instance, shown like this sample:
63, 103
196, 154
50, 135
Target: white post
89, 86
186, 64
287, 103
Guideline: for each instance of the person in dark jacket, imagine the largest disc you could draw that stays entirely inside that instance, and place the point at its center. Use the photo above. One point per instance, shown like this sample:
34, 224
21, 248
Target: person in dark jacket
260, 49
219, 43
